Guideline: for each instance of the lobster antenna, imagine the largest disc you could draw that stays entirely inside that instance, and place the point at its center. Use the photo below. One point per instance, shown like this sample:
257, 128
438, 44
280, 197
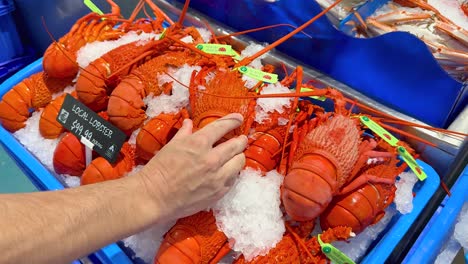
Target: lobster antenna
246, 61
215, 39
184, 11
401, 122
158, 12
260, 29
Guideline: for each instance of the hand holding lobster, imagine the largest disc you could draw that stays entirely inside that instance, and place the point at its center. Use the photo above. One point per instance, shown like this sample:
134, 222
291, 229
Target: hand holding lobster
190, 173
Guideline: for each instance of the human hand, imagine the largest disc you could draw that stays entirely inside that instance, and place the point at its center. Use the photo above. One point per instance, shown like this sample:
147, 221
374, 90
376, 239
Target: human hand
189, 174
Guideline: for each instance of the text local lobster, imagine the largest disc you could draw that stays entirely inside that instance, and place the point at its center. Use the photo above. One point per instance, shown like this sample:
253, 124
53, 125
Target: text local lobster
93, 122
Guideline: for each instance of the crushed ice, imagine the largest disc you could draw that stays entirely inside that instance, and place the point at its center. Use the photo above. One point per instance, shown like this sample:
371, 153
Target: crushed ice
92, 51
146, 244
404, 193
32, 139
249, 214
205, 34
180, 94
270, 105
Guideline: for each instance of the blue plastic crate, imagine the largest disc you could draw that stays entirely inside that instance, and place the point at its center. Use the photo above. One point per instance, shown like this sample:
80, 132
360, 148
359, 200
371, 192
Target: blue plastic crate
10, 42
440, 227
111, 254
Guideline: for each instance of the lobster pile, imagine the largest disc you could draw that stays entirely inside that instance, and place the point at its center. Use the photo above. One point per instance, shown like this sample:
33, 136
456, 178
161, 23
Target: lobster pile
334, 168
446, 38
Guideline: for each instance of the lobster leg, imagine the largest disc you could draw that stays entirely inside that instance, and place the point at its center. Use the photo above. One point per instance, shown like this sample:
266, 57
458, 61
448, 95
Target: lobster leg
363, 179
225, 249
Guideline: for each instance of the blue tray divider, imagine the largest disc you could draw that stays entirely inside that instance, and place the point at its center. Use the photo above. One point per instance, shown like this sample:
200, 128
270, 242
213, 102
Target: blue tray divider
111, 254
439, 229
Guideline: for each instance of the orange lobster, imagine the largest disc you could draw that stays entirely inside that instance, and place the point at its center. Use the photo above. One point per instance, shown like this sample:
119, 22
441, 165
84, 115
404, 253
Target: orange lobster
126, 108
323, 161
208, 106
363, 201
49, 127
69, 156
193, 239
156, 133
32, 93
100, 169
60, 57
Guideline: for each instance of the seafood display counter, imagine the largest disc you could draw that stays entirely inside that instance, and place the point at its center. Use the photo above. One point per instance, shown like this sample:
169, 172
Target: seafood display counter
434, 161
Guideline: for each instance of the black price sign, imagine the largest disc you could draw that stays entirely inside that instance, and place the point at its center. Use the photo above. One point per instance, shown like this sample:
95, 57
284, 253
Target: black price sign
92, 130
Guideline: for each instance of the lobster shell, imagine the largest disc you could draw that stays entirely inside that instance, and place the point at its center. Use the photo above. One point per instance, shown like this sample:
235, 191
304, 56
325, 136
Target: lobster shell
33, 92
322, 163
93, 85
366, 205
126, 107
69, 156
193, 239
49, 127
156, 133
100, 169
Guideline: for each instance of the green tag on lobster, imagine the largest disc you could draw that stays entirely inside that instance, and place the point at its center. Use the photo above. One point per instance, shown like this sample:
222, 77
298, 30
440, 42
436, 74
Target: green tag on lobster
93, 7
320, 98
333, 253
219, 49
382, 132
259, 75
406, 156
163, 34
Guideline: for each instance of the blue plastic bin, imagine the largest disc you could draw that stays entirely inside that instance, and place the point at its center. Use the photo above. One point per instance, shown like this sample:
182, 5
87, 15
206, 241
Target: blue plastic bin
10, 42
44, 180
113, 254
440, 227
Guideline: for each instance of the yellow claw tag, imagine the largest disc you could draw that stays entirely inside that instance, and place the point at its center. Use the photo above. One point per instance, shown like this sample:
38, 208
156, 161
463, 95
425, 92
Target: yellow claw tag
382, 132
163, 34
219, 49
333, 253
320, 98
259, 75
406, 156
93, 7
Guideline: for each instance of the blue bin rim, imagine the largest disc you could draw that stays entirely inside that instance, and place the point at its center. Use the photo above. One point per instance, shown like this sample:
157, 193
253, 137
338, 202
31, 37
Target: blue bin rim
8, 8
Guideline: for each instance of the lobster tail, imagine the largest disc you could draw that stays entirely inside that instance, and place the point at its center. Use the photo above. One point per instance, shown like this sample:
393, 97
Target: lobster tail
156, 133
367, 204
69, 156
48, 125
126, 106
193, 239
262, 153
321, 164
33, 92
100, 169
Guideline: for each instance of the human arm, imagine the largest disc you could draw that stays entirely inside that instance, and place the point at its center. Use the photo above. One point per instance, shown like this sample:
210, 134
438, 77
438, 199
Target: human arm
186, 176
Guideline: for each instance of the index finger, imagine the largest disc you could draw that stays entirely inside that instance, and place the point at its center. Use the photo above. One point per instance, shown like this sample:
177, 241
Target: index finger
217, 129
